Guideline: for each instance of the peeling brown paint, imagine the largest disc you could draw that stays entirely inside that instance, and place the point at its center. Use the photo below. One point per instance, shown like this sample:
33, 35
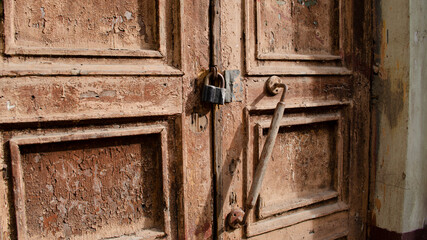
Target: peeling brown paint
78, 189
204, 231
1, 27
129, 25
302, 160
378, 204
290, 27
70, 92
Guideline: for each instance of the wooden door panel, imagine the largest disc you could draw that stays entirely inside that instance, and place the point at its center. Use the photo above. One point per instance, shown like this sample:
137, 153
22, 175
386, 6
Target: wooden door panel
306, 165
92, 184
297, 30
336, 229
36, 98
145, 33
295, 37
84, 28
95, 181
304, 91
304, 179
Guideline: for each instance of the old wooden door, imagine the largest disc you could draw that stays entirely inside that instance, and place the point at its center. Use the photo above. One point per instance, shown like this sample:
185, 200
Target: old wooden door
316, 184
104, 136
91, 102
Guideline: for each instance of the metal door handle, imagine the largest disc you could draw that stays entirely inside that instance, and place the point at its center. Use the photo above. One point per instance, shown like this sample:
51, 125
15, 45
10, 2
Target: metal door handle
273, 85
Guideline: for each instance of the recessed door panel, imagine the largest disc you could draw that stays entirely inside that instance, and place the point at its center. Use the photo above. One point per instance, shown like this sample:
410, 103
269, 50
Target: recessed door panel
92, 184
86, 25
294, 28
304, 178
304, 166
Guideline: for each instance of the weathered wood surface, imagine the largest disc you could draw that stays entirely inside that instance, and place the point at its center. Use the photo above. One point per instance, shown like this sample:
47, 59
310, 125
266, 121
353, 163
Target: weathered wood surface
57, 76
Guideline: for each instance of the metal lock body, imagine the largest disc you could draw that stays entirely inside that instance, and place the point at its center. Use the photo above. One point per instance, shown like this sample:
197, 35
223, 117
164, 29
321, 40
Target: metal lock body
214, 94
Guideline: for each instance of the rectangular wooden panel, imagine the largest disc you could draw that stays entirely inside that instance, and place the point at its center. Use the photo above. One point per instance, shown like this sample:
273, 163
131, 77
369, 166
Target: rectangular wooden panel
139, 37
94, 184
298, 29
304, 179
305, 163
105, 28
304, 92
71, 98
329, 227
295, 37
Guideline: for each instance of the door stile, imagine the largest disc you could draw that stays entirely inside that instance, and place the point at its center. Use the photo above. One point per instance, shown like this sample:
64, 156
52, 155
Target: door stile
215, 66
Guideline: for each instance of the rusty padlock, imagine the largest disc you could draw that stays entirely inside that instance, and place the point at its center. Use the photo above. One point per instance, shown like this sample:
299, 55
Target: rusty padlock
212, 93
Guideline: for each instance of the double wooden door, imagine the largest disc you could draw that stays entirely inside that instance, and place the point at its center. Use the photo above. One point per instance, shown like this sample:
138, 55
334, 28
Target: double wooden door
104, 135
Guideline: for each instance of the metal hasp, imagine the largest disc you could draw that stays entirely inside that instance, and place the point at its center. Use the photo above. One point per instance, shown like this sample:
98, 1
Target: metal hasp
272, 86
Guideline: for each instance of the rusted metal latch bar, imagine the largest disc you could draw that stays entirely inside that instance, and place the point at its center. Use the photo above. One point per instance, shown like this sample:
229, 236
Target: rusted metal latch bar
215, 35
217, 97
272, 86
214, 89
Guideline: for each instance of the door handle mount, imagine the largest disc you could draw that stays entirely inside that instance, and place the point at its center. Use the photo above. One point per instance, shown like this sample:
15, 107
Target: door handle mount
272, 86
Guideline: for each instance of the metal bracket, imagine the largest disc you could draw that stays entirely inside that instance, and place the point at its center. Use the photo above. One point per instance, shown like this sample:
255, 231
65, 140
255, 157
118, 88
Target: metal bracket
233, 86
271, 85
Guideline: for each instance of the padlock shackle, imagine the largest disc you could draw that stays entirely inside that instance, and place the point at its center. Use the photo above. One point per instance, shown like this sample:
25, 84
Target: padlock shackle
207, 78
222, 80
219, 75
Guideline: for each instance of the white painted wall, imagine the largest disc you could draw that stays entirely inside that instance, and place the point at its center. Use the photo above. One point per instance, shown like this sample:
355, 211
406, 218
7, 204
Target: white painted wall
400, 199
391, 110
415, 200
